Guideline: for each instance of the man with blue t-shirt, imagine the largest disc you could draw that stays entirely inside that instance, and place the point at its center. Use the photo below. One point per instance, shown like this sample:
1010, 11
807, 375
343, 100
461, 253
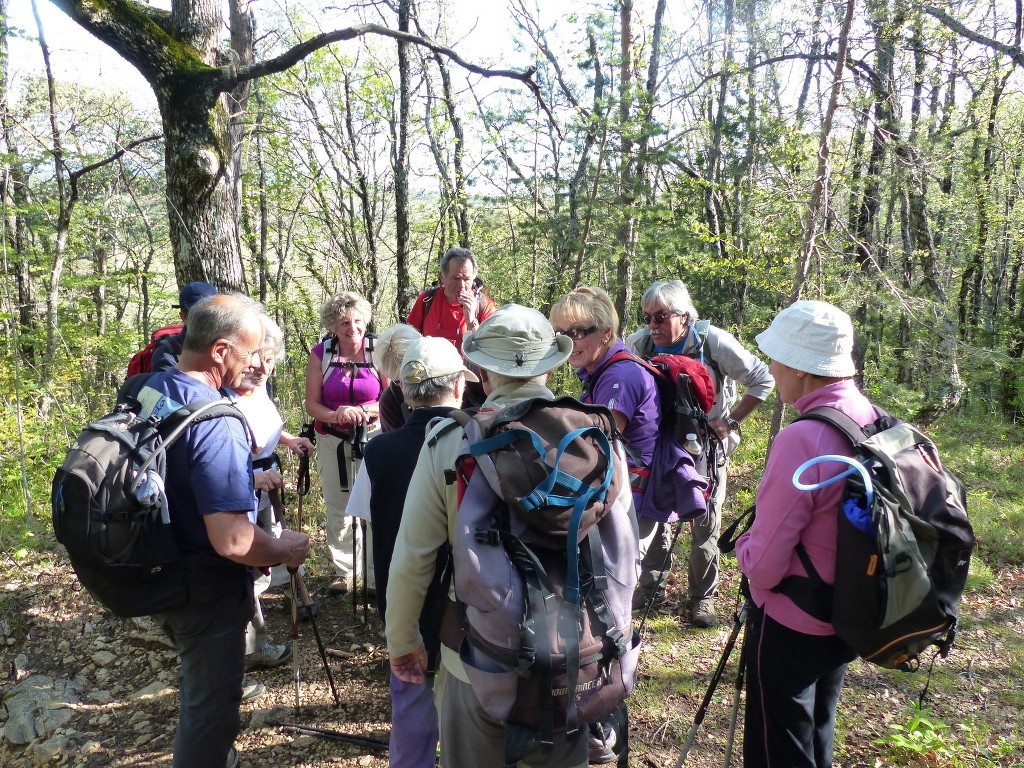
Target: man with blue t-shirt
211, 500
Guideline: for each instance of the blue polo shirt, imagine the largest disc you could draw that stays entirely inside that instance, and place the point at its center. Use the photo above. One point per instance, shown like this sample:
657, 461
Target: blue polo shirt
209, 468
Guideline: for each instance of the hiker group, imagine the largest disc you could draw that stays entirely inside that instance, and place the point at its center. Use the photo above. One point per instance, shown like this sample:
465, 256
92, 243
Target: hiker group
513, 540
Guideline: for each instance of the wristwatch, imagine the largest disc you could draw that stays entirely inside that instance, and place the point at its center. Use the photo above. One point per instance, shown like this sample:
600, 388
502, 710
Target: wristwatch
734, 425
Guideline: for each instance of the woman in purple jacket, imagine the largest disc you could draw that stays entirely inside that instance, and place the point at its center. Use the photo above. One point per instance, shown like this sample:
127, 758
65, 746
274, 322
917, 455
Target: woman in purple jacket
795, 663
588, 317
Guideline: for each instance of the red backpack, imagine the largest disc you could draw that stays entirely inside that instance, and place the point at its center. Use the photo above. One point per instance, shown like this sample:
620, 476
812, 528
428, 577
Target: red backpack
142, 361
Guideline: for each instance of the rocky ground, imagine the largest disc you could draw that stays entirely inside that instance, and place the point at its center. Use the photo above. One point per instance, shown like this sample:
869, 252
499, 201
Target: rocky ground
115, 684
81, 688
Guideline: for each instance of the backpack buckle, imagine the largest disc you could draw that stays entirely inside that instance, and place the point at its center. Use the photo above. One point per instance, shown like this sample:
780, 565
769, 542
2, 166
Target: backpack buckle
487, 536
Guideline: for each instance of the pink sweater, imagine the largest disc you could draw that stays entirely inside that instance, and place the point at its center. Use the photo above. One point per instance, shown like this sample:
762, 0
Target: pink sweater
785, 515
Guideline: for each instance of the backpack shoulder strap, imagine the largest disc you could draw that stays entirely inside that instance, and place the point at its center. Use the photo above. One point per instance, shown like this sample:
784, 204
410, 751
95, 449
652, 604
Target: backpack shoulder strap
174, 425
369, 340
128, 393
330, 350
700, 332
836, 418
618, 357
811, 593
428, 298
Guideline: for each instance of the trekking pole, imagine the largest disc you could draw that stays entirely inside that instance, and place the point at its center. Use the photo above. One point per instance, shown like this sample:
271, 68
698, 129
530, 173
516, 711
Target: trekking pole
355, 527
358, 524
348, 738
741, 670
319, 643
293, 578
366, 558
299, 586
702, 710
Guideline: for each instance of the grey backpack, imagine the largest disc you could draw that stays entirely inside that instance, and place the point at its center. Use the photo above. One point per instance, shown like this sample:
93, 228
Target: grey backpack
903, 545
545, 563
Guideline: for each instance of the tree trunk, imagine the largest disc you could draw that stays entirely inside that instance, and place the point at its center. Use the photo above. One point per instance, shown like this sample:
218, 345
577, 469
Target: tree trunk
627, 234
14, 198
820, 199
819, 192
405, 294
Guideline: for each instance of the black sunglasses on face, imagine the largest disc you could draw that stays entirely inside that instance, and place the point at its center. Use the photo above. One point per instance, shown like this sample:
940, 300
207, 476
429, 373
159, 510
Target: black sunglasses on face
658, 317
577, 333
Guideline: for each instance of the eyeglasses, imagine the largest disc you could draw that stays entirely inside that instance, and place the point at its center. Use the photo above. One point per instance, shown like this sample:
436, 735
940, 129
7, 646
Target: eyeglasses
577, 333
255, 353
658, 317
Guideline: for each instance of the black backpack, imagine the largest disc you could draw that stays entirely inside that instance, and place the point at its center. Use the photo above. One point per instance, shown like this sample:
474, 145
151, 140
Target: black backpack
110, 511
902, 559
544, 567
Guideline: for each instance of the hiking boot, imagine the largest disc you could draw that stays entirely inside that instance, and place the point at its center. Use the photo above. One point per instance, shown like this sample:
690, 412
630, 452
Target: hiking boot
252, 689
601, 744
704, 613
338, 587
269, 655
232, 758
642, 598
306, 612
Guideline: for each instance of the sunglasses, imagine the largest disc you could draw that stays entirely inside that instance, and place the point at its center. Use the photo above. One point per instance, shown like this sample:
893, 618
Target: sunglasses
577, 333
658, 317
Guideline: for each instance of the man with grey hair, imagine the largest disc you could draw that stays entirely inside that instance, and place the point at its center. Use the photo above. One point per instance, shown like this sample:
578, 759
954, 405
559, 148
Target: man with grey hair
515, 350
673, 327
210, 496
456, 305
433, 377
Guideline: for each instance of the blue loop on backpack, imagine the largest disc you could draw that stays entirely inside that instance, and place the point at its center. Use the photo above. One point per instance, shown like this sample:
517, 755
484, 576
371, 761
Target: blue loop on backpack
503, 440
543, 494
572, 576
855, 467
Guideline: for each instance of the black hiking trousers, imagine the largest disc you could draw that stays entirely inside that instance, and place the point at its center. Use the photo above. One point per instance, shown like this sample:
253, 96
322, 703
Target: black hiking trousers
793, 686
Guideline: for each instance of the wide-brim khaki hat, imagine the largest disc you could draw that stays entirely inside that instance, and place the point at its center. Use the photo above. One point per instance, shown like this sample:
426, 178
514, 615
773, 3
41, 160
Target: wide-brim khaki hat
432, 357
811, 336
516, 341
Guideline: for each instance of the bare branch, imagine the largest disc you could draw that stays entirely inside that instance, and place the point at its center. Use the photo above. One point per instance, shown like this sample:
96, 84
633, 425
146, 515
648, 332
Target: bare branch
530, 26
297, 53
75, 175
1013, 51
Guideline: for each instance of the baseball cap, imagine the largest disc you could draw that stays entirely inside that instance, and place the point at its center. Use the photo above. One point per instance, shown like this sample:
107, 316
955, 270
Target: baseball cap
193, 292
431, 357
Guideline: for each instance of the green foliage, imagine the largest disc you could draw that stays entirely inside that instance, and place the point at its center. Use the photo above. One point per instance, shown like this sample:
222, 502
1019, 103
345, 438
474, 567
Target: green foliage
924, 739
987, 454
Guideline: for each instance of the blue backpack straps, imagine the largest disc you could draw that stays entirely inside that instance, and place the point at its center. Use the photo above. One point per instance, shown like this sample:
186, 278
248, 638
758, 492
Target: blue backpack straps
559, 489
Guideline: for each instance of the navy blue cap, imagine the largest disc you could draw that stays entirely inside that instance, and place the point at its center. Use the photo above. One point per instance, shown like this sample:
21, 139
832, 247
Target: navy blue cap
193, 292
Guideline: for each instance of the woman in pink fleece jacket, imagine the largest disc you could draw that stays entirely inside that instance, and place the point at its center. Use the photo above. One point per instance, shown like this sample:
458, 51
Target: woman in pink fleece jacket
795, 663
